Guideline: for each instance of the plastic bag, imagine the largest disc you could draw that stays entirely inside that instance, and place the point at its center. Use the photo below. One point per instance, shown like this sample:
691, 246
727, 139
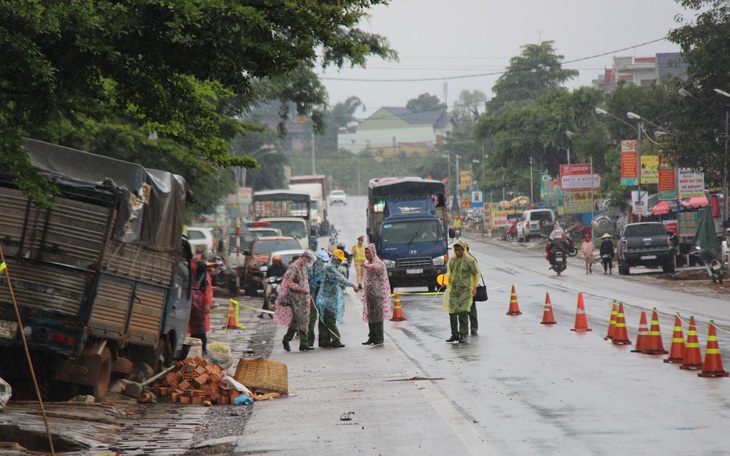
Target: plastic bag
220, 355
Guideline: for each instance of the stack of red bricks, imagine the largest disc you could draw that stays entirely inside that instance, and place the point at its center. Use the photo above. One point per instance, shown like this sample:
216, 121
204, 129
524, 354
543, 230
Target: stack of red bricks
194, 381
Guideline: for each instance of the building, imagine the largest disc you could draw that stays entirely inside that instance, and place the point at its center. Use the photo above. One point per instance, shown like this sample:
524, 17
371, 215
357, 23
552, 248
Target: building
392, 131
641, 71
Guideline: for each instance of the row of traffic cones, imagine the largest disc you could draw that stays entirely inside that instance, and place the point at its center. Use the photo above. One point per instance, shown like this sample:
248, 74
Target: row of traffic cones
649, 340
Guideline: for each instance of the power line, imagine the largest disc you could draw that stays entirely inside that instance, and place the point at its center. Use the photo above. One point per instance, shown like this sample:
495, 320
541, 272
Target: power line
495, 73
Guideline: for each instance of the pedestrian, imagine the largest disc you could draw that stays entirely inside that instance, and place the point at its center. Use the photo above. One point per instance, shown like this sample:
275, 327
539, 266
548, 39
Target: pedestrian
587, 249
606, 253
199, 321
331, 302
376, 305
457, 226
473, 327
292, 304
462, 273
316, 275
358, 256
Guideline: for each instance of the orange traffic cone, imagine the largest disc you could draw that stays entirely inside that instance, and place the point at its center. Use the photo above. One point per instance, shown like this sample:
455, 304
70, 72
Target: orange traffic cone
642, 340
676, 351
692, 354
397, 310
514, 307
547, 317
621, 336
655, 346
612, 323
713, 359
231, 323
581, 320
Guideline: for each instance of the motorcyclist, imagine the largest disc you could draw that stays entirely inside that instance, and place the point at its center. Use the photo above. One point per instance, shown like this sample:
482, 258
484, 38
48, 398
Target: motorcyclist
557, 240
345, 264
277, 269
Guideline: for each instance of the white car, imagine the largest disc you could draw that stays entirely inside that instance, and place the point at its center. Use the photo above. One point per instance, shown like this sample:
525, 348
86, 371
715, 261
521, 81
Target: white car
201, 241
338, 197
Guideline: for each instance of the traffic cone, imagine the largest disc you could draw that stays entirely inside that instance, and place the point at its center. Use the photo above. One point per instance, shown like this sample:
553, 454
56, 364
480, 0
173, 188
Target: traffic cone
642, 340
655, 345
547, 317
713, 359
581, 320
514, 306
621, 336
676, 351
612, 323
692, 354
397, 310
231, 323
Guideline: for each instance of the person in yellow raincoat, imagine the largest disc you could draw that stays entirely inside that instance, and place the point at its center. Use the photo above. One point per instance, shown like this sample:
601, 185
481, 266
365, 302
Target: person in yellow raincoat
462, 274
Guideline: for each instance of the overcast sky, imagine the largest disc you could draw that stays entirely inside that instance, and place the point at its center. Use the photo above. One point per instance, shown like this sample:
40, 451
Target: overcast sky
466, 44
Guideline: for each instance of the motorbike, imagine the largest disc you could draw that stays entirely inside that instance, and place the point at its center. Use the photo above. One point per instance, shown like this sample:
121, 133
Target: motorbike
559, 255
712, 263
272, 286
510, 234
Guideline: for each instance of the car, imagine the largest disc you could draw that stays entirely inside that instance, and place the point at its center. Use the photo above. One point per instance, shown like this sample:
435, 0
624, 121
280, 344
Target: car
201, 241
246, 239
338, 197
646, 244
535, 223
257, 259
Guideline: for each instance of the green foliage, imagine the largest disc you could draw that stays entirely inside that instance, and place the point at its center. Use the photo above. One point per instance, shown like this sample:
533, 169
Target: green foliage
425, 103
535, 71
185, 69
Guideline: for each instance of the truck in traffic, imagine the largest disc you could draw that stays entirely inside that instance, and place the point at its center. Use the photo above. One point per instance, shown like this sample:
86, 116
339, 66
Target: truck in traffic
406, 220
315, 186
100, 281
287, 210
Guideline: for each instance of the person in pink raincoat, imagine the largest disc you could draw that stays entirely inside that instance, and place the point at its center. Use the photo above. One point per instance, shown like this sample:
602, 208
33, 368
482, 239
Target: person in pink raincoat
376, 300
292, 304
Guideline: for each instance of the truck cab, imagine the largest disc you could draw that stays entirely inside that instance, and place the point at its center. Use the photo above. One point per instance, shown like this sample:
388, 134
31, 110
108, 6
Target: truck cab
407, 223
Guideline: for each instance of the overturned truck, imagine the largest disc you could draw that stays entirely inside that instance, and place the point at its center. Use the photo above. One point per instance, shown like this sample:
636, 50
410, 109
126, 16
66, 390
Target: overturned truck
102, 279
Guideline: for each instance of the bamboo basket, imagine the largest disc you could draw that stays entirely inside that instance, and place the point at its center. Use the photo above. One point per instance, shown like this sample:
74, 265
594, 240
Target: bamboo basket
262, 373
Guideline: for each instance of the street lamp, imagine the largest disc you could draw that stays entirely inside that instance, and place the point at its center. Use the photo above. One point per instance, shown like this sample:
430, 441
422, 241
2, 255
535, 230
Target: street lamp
569, 134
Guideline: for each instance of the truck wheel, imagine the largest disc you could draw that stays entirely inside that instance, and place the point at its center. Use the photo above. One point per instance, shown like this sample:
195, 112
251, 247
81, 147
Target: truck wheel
520, 239
668, 266
101, 388
431, 286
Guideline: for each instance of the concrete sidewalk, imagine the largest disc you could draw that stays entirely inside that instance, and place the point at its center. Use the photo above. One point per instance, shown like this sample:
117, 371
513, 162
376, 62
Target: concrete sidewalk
356, 399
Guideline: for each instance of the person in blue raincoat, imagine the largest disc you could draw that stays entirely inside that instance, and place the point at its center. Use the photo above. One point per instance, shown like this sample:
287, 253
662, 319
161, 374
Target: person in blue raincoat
331, 302
316, 274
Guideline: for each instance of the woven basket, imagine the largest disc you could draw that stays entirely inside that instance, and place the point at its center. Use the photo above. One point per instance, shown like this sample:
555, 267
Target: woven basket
262, 373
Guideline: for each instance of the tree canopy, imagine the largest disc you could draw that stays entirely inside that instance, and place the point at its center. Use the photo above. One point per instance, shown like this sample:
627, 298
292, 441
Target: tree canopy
185, 69
425, 103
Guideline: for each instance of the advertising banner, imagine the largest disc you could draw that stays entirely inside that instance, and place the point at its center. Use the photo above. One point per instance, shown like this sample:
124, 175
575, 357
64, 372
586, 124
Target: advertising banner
649, 169
578, 177
629, 169
548, 187
579, 202
495, 217
477, 198
688, 222
464, 180
667, 190
690, 183
640, 203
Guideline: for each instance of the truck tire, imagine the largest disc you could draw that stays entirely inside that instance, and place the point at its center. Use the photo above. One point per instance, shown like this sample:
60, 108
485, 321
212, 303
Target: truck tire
101, 388
668, 266
431, 286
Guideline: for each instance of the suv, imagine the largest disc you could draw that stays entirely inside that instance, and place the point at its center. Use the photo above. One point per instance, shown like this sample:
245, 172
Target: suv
535, 223
257, 259
201, 241
338, 197
645, 244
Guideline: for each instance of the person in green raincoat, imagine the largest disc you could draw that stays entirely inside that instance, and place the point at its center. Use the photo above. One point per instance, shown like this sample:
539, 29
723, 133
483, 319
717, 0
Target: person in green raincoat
462, 273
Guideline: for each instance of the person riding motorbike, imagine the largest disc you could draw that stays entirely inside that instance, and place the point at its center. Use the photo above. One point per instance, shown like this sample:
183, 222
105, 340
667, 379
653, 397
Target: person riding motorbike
557, 240
344, 266
277, 269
